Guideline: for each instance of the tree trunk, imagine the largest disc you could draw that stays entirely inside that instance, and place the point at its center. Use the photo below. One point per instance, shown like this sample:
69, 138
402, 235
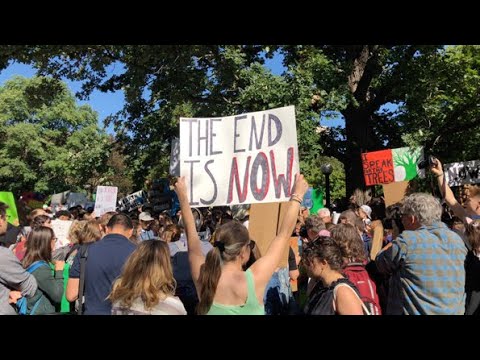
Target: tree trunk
358, 115
357, 127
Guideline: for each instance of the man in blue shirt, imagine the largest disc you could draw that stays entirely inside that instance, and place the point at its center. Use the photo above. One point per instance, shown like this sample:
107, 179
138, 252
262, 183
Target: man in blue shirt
104, 264
146, 232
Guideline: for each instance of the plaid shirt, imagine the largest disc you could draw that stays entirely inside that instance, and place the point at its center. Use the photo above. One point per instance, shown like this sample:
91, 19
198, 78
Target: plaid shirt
428, 274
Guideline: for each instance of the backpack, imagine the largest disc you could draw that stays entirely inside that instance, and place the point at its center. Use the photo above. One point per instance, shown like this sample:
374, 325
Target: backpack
21, 304
356, 273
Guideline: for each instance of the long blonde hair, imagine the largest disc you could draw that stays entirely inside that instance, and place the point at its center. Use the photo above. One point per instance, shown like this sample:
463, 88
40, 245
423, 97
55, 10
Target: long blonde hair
147, 275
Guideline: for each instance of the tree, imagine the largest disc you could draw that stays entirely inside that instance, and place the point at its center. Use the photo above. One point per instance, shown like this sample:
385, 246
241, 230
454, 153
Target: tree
434, 91
47, 142
163, 83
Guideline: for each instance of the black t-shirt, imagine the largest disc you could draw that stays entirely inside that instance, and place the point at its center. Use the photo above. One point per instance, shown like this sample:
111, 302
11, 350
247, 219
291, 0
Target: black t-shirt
292, 263
472, 284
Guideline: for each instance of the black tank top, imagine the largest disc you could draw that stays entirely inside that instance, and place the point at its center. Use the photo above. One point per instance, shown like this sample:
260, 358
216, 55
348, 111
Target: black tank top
320, 301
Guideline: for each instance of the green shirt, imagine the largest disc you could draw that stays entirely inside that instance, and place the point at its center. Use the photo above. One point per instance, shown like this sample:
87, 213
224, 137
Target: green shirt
251, 306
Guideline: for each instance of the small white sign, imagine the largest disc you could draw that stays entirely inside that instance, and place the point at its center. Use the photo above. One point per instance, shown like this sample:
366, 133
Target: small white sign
105, 200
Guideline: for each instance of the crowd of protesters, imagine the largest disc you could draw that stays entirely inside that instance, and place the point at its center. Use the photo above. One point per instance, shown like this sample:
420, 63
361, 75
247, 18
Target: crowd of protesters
414, 257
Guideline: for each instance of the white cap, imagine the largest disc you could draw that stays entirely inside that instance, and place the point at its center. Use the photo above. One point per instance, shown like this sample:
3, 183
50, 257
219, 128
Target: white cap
145, 216
367, 209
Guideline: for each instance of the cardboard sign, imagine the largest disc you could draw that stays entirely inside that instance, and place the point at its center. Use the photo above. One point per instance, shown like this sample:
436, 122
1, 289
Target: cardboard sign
392, 165
105, 200
61, 229
245, 159
263, 225
462, 173
12, 214
394, 192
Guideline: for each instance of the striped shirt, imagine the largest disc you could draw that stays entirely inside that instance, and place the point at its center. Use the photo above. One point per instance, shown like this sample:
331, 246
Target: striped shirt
428, 274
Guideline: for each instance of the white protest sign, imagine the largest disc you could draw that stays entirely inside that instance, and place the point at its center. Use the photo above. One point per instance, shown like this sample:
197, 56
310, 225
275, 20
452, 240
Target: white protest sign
462, 173
243, 159
105, 200
61, 229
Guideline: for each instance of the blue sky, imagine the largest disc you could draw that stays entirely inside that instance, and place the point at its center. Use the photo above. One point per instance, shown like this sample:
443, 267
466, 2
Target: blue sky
109, 103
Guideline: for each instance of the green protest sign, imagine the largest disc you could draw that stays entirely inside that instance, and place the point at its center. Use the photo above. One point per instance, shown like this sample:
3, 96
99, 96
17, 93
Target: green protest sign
317, 199
12, 215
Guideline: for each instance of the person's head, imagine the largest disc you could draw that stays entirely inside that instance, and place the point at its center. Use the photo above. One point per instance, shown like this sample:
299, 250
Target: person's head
393, 219
75, 229
472, 230
41, 220
471, 199
171, 233
313, 225
298, 227
34, 213
347, 217
346, 236
165, 219
147, 275
231, 245
322, 257
420, 209
88, 232
378, 209
324, 214
103, 220
146, 220
304, 212
3, 218
120, 224
457, 224
40, 244
63, 215
365, 212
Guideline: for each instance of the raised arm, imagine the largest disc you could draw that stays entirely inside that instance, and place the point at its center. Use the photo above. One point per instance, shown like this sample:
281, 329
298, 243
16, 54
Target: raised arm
264, 267
195, 254
446, 192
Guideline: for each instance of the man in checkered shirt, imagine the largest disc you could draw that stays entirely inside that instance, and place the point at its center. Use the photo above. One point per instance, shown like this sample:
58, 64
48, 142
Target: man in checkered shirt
426, 262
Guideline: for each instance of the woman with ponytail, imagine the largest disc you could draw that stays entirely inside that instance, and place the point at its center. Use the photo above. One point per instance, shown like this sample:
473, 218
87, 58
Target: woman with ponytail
223, 287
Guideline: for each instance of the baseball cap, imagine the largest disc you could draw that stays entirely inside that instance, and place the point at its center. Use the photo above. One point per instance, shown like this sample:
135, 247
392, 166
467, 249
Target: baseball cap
367, 209
145, 216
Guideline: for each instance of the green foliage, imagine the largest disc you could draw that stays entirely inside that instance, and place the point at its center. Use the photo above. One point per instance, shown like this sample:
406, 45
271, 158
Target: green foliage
47, 142
337, 178
435, 89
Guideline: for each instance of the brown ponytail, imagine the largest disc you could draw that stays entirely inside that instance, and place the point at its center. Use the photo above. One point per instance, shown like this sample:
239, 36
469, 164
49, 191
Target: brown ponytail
230, 238
209, 280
